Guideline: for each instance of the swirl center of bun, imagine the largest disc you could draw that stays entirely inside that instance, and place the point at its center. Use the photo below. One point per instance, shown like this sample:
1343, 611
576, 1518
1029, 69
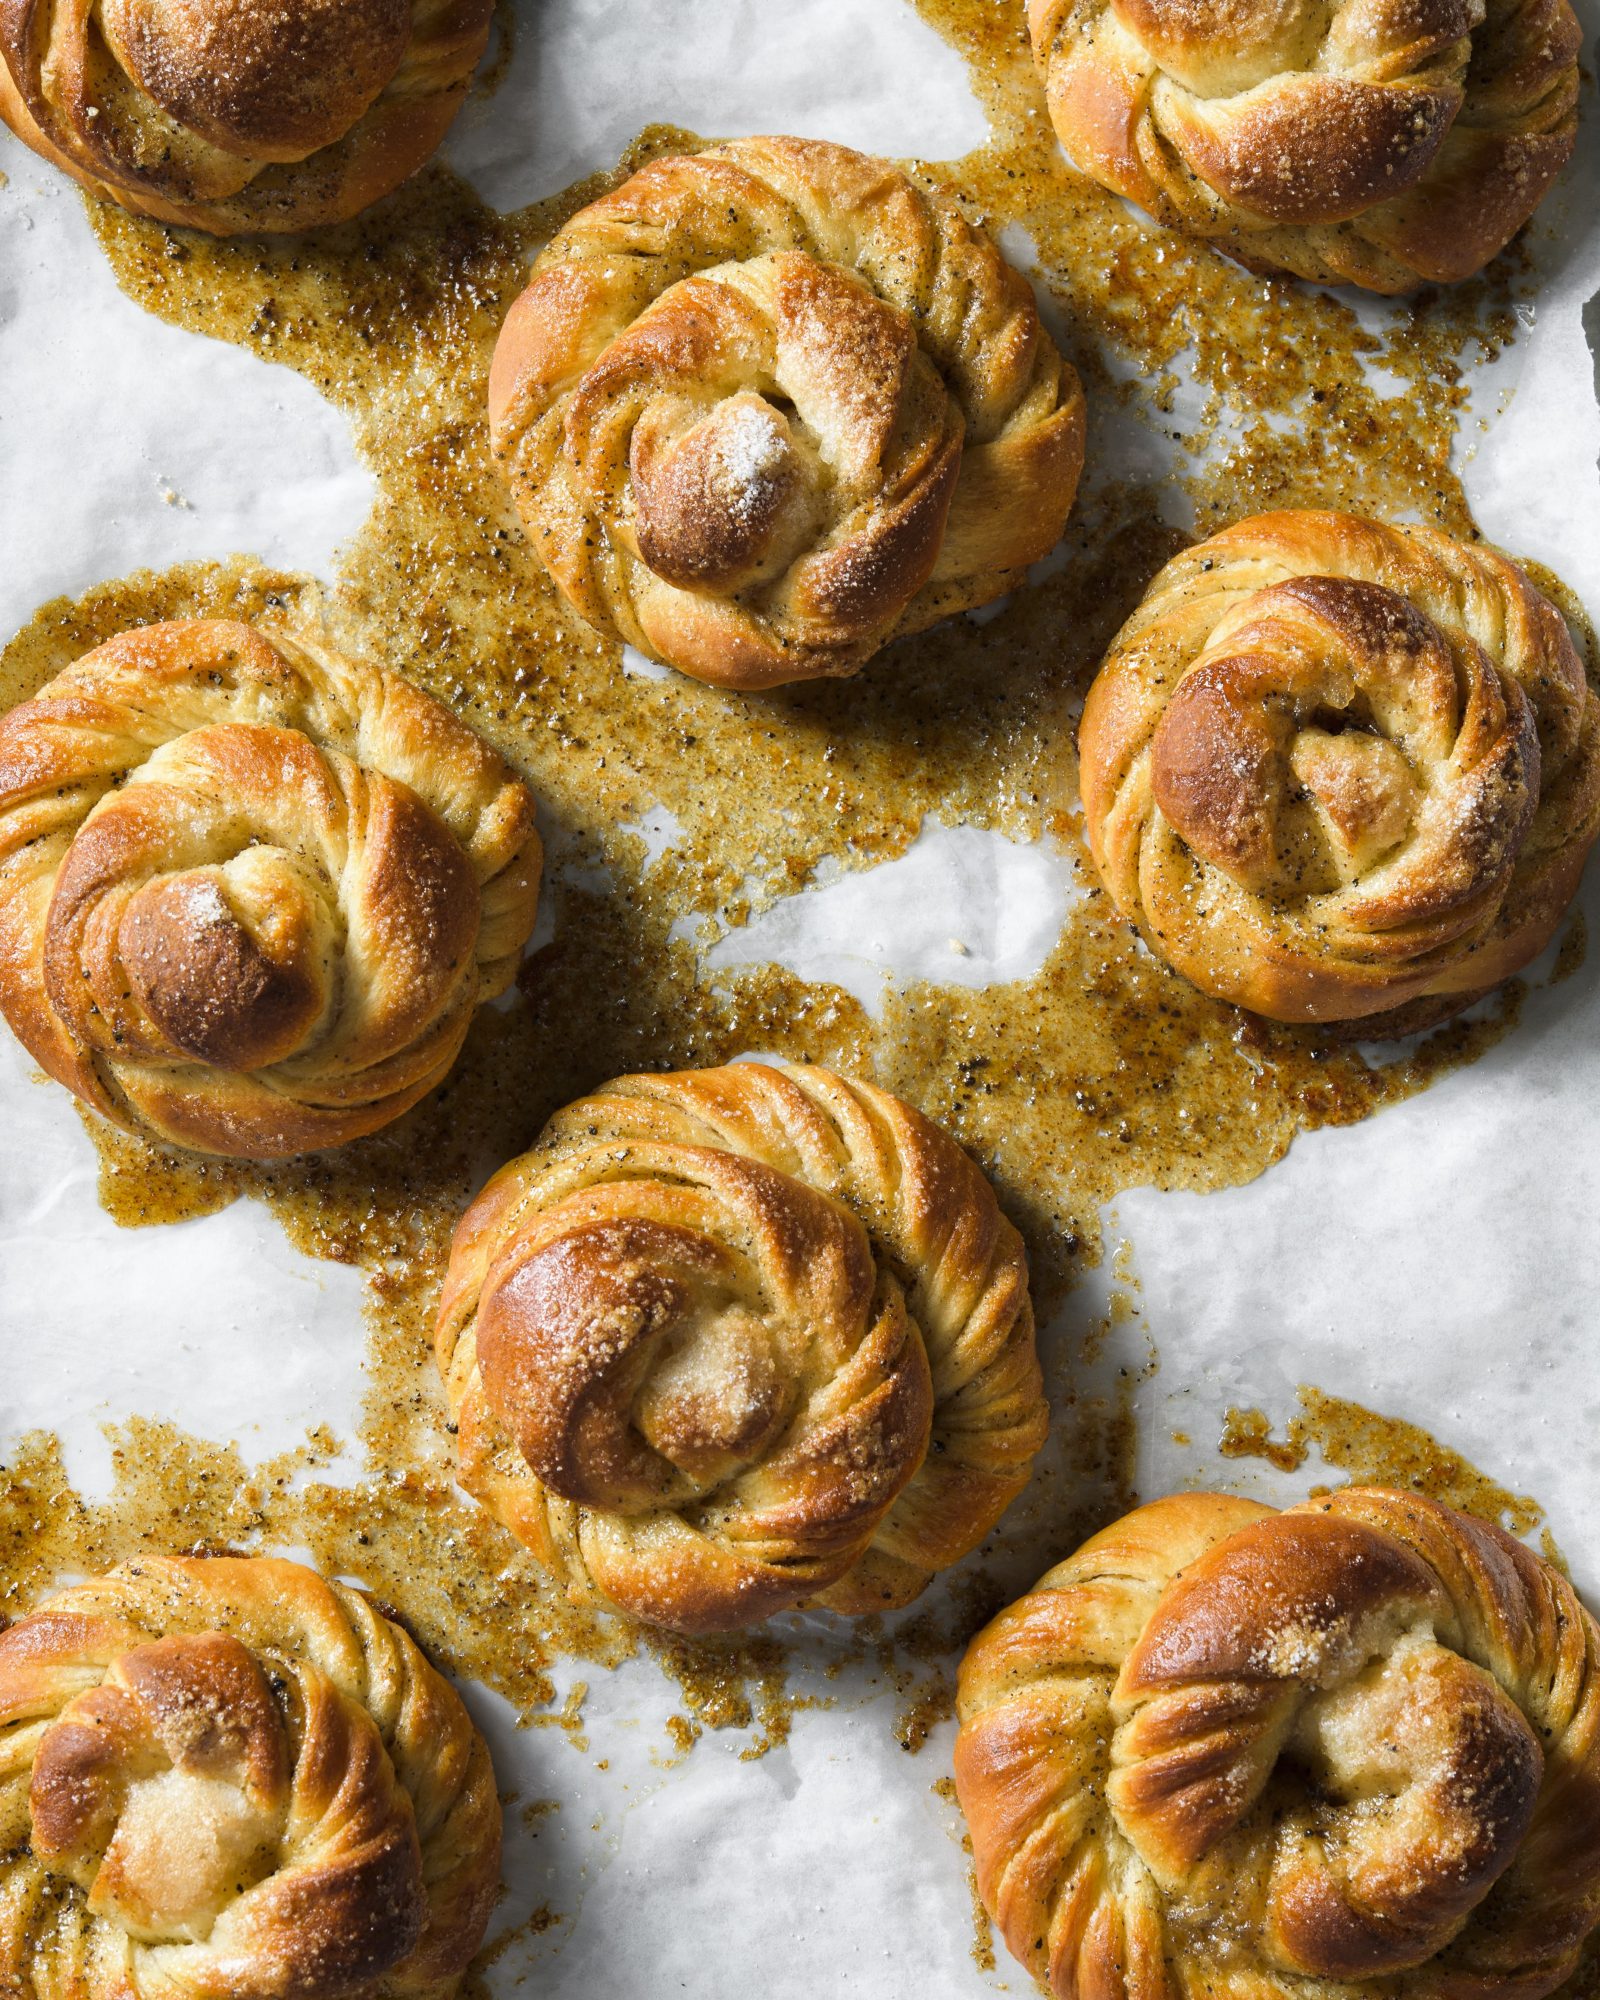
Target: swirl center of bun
1338, 771
162, 1792
721, 495
648, 1342
1329, 723
772, 427
764, 408
1318, 1638
236, 987
199, 910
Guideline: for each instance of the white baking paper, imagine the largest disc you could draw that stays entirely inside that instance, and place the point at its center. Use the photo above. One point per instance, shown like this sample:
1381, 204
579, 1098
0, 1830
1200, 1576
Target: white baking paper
1437, 1262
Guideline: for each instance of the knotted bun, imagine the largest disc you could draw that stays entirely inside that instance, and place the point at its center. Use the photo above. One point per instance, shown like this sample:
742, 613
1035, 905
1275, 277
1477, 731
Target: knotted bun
764, 407
1381, 143
1227, 1751
225, 1779
733, 1340
237, 116
1334, 769
251, 892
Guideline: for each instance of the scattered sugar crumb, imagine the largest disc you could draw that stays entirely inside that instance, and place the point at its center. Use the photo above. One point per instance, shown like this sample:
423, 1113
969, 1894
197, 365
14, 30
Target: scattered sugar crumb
751, 452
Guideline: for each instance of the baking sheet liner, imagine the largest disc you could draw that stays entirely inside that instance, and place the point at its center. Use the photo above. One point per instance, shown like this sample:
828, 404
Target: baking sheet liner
1436, 1262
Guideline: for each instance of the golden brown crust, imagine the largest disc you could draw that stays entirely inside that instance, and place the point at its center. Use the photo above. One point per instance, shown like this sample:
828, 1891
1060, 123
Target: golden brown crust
733, 1340
238, 116
1382, 143
1342, 772
252, 892
225, 1777
764, 407
1226, 1751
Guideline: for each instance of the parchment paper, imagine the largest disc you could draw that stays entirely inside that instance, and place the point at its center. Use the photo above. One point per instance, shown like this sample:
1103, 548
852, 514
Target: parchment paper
1435, 1262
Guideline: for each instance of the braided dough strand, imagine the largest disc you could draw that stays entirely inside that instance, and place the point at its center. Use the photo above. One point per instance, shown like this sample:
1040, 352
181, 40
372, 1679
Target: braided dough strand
765, 406
1334, 769
251, 892
1223, 1750
225, 1779
238, 116
1381, 143
732, 1340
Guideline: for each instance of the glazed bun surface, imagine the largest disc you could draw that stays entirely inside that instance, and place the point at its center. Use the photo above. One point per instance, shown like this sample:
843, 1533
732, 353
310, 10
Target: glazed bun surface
251, 892
1382, 143
1351, 1747
729, 1341
225, 1778
1342, 772
764, 407
238, 116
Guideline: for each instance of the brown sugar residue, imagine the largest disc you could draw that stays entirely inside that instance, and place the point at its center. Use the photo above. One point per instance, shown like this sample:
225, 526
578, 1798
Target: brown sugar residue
1248, 1434
982, 1923
1376, 1450
501, 1944
1102, 1072
918, 1659
926, 1704
684, 1733
735, 1683
569, 1716
1554, 1554
1572, 950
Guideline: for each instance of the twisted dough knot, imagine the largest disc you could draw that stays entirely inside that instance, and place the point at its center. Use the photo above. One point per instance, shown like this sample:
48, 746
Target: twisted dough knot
1334, 770
765, 407
251, 892
732, 1340
1223, 1750
1371, 142
224, 1779
238, 115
